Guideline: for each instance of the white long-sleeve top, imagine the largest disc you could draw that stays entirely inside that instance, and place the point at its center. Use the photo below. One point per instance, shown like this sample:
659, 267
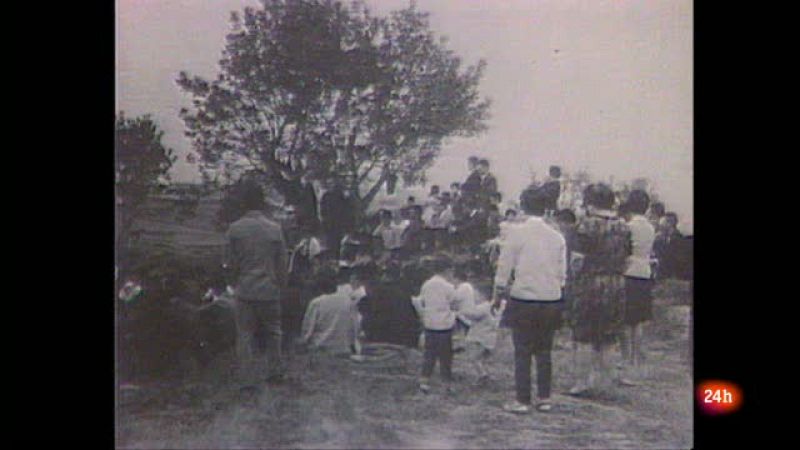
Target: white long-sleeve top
434, 304
642, 237
537, 254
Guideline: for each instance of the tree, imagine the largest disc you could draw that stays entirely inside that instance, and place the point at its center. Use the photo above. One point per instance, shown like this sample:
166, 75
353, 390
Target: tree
313, 88
141, 163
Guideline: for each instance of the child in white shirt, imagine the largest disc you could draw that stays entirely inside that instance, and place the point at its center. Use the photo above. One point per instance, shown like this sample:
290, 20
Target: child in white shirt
435, 305
482, 336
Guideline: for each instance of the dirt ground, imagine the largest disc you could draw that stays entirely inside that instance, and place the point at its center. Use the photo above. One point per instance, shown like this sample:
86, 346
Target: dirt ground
337, 403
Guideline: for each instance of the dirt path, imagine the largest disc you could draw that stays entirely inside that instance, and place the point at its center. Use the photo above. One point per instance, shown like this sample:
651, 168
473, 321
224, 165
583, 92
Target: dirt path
340, 404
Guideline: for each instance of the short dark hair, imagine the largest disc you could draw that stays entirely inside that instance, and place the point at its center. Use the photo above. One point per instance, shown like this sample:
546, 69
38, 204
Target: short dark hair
511, 211
566, 216
555, 171
599, 195
327, 279
435, 187
252, 196
638, 202
496, 195
385, 213
533, 201
456, 184
411, 198
345, 275
658, 208
671, 216
483, 162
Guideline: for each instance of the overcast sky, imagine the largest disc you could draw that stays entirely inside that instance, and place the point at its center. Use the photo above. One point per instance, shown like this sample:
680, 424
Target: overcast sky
604, 85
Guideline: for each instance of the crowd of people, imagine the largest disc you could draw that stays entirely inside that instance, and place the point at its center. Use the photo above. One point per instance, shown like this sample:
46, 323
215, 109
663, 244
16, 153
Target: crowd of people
530, 270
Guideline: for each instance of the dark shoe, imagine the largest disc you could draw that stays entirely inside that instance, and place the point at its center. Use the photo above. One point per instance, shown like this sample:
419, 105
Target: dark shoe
275, 380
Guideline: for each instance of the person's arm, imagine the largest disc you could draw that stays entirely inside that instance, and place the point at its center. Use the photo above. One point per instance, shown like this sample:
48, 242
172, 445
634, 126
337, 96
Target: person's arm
562, 262
506, 262
229, 259
309, 322
280, 257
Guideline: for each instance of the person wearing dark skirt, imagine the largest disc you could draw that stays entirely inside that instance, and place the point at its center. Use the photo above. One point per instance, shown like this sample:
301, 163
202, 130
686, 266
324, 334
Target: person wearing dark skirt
638, 306
598, 288
536, 254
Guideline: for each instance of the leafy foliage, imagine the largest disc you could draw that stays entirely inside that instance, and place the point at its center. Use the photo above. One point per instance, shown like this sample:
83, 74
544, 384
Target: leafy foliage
317, 89
141, 164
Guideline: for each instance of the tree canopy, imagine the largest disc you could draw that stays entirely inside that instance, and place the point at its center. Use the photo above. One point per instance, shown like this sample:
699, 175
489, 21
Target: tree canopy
141, 162
317, 89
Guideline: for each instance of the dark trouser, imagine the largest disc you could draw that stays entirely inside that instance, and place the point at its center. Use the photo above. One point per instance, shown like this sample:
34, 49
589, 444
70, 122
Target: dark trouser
533, 326
259, 338
438, 346
333, 240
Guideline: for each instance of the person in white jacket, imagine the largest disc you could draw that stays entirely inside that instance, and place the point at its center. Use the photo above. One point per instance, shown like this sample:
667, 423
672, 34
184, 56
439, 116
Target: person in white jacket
435, 305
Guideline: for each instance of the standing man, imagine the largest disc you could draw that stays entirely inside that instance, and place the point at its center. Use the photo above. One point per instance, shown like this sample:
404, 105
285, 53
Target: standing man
488, 181
335, 212
552, 190
472, 185
256, 257
537, 255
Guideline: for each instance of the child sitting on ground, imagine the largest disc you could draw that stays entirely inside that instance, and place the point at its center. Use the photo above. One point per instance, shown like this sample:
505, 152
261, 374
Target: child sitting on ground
482, 336
435, 306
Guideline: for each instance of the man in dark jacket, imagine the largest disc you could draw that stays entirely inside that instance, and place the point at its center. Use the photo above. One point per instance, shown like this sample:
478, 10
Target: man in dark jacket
552, 190
255, 254
336, 211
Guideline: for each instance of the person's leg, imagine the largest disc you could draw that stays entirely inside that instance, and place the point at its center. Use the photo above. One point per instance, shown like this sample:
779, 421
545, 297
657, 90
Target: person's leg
271, 321
521, 337
429, 357
547, 320
446, 356
245, 339
544, 374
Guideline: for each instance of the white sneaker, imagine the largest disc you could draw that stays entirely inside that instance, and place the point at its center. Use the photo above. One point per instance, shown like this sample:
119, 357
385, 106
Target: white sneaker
516, 407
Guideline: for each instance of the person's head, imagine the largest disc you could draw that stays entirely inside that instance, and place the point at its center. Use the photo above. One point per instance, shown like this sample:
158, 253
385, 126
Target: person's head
671, 219
638, 202
455, 186
483, 166
566, 218
511, 214
495, 198
555, 171
327, 279
533, 202
435, 189
252, 197
472, 162
657, 209
385, 216
415, 212
624, 212
599, 196
411, 200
